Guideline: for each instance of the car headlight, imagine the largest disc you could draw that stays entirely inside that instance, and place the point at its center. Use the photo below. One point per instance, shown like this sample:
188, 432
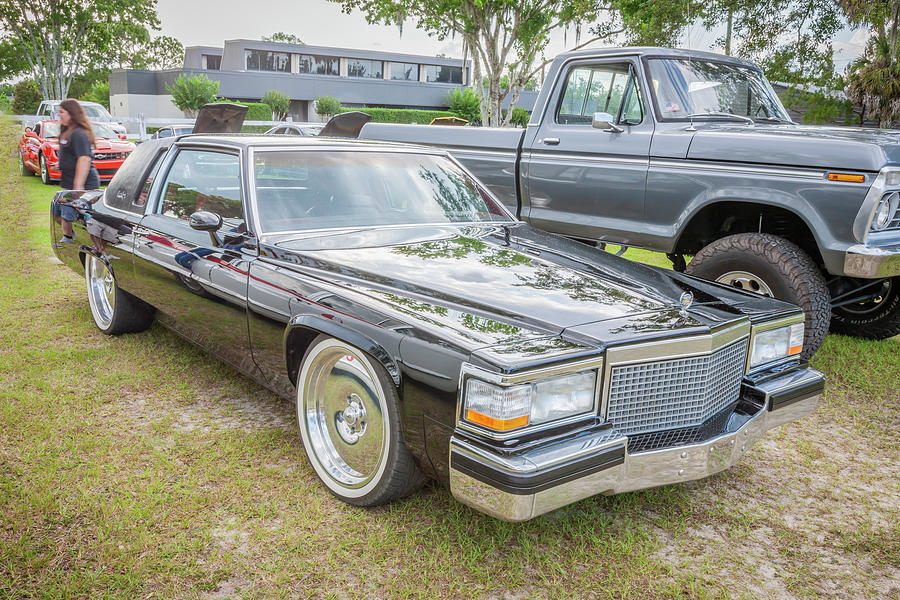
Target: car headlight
885, 211
505, 408
776, 344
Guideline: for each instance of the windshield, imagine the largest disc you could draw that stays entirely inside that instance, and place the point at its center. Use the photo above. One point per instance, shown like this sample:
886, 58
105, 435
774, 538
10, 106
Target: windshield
95, 112
50, 130
297, 190
104, 131
696, 87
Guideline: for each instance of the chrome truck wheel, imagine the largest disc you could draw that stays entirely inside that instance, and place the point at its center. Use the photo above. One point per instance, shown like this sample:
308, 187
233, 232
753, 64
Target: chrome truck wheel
748, 282
114, 311
349, 422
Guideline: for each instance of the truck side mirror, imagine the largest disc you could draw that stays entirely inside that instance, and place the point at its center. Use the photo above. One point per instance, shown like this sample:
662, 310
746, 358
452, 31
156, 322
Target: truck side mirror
606, 122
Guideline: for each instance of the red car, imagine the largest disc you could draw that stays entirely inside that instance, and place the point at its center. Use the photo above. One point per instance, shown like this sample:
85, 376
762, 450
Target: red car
39, 151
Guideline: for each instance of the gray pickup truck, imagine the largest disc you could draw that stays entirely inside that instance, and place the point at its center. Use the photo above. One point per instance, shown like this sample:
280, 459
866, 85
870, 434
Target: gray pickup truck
692, 153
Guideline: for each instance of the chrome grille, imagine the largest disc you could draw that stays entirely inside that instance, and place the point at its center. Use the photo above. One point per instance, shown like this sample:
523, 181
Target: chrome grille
681, 392
895, 219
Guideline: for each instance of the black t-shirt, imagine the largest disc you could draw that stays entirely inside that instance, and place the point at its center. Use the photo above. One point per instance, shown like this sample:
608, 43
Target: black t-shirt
70, 150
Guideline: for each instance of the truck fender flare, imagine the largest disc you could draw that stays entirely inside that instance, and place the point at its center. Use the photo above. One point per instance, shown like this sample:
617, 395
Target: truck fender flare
307, 327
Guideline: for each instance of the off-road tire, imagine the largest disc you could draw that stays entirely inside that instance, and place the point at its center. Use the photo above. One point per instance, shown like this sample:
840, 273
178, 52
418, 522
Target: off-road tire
395, 474
787, 270
881, 323
113, 310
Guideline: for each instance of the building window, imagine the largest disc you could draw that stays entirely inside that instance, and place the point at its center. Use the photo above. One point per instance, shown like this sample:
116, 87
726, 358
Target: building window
213, 62
404, 71
320, 65
265, 60
364, 68
436, 74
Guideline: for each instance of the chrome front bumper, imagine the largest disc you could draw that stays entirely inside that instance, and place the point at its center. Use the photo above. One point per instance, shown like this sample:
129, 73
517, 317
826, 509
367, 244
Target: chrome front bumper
872, 262
521, 486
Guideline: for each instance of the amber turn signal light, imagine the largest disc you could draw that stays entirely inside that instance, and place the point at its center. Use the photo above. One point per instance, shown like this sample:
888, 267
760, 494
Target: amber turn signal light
847, 177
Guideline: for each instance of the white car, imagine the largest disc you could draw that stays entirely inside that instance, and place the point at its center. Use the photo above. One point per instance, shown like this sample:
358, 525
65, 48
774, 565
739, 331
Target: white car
93, 110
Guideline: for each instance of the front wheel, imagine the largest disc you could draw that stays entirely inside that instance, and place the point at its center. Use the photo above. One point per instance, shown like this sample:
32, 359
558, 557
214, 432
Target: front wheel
45, 171
113, 310
771, 266
877, 318
347, 407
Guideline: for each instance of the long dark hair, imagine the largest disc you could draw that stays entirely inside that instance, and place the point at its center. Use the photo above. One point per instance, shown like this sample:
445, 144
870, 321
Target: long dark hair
77, 119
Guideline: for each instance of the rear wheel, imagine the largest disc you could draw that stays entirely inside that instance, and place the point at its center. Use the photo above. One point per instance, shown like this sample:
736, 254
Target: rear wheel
772, 266
877, 318
347, 407
114, 311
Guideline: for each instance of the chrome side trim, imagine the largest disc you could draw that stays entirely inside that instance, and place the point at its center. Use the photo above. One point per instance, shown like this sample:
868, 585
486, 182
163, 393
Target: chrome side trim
588, 158
733, 168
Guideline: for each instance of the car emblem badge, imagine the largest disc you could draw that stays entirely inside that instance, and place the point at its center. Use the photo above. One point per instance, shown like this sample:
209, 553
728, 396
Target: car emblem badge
686, 300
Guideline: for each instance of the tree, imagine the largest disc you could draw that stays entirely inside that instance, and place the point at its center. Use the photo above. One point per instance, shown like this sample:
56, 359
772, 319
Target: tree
58, 39
327, 106
790, 39
163, 52
874, 81
189, 93
285, 38
26, 98
509, 37
464, 104
99, 93
279, 103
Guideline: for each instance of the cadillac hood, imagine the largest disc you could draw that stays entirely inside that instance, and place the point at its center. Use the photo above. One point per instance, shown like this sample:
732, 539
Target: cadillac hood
495, 285
847, 148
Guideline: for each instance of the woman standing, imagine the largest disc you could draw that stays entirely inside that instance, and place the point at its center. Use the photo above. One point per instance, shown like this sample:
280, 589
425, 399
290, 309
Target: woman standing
76, 167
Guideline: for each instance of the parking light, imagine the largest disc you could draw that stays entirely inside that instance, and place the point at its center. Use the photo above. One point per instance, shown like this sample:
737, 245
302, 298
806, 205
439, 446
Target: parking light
846, 177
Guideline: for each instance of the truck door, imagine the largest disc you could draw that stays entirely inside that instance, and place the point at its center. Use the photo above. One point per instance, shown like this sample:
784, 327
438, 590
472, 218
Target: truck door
583, 181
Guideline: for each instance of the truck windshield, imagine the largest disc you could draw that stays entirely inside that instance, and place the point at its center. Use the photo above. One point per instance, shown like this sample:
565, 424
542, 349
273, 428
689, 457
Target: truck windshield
702, 89
304, 190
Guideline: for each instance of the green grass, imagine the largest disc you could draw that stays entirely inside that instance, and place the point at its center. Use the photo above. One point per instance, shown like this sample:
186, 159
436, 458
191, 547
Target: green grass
138, 467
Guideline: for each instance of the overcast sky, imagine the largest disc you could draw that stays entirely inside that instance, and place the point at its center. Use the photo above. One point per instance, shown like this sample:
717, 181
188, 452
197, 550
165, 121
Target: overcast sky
321, 23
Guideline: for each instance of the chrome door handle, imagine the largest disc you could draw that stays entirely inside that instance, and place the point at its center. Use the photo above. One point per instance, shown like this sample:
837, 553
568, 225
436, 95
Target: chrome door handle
550, 141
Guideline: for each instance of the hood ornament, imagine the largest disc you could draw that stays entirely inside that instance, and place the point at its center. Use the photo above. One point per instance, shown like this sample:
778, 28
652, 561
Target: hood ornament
686, 300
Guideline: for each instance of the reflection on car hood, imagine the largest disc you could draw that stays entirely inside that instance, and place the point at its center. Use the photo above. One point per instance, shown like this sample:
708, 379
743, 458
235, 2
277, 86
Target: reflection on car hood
849, 148
495, 284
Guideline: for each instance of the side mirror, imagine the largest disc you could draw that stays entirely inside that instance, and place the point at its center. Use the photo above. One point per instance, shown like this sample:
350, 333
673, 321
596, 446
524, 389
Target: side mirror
606, 122
206, 221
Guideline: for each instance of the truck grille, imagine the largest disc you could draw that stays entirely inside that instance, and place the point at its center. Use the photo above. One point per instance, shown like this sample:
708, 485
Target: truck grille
895, 219
677, 393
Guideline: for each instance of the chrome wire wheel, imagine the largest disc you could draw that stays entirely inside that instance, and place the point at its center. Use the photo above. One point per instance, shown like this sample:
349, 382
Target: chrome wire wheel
101, 291
343, 416
748, 282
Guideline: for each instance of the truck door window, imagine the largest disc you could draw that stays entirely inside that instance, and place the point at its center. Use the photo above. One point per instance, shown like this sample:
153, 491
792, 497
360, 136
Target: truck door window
610, 88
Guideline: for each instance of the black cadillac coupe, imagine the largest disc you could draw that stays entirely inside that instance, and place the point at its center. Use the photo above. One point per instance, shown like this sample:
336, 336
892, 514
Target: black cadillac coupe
424, 332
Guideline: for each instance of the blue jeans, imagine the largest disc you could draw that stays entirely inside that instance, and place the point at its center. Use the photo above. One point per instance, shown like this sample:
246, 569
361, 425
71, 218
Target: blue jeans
63, 210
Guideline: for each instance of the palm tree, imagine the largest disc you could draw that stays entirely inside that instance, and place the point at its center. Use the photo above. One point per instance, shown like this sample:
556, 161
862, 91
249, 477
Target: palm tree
873, 80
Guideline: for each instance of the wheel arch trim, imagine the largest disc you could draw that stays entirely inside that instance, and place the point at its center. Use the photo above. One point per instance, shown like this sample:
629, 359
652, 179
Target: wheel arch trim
310, 326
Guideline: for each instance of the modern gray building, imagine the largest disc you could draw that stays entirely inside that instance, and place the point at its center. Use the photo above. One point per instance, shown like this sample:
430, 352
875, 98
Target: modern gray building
247, 69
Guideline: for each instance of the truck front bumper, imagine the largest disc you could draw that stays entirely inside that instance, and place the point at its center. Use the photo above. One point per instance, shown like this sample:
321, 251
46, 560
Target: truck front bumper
521, 486
872, 262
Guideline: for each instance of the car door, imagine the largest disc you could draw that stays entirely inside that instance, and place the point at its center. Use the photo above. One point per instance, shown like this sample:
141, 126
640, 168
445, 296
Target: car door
33, 145
198, 284
583, 181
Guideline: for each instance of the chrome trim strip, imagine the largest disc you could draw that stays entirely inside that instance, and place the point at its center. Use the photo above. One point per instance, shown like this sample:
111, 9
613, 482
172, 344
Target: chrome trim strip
466, 150
589, 158
733, 168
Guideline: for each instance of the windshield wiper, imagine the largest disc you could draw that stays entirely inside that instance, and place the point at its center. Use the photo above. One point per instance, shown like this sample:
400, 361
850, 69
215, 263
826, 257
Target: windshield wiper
747, 120
775, 120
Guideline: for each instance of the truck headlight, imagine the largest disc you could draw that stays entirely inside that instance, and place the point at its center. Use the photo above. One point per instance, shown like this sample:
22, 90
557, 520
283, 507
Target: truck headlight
776, 344
502, 408
885, 211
